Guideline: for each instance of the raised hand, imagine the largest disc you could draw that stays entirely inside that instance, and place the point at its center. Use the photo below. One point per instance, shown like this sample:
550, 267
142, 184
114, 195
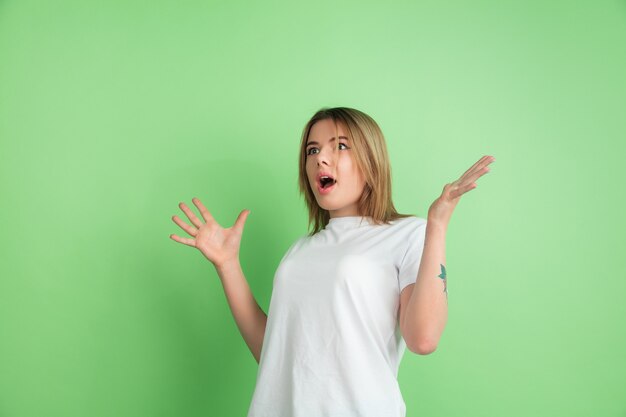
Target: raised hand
441, 210
219, 245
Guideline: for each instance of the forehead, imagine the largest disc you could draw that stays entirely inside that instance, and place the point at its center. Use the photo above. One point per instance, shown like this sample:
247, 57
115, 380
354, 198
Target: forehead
324, 131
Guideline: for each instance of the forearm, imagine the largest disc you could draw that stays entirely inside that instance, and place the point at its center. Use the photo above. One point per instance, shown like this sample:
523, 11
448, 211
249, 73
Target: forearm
427, 309
249, 317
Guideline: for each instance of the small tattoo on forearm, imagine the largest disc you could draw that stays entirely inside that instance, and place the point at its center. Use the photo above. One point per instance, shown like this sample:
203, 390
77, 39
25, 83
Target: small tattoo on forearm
443, 277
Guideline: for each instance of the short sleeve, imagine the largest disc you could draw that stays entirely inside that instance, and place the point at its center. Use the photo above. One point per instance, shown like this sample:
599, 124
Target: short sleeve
409, 266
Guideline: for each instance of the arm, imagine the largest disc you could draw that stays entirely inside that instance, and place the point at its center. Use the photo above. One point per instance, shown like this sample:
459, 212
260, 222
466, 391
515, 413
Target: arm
221, 247
424, 306
249, 317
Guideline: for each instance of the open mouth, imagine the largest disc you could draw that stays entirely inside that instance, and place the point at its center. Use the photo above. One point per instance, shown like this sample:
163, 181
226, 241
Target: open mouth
326, 182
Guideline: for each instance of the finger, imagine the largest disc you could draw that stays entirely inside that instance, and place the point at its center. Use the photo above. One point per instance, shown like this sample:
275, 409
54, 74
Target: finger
192, 231
241, 219
474, 166
184, 240
462, 190
192, 217
485, 160
477, 170
474, 176
203, 211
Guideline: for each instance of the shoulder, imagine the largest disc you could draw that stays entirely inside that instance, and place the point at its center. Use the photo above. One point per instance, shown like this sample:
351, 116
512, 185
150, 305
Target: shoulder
410, 230
411, 223
298, 243
399, 232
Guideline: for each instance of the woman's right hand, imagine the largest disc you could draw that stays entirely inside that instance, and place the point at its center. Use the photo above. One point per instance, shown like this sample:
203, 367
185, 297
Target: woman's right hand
217, 244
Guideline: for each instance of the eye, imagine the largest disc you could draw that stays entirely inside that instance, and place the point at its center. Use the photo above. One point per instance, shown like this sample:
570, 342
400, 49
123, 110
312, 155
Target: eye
308, 152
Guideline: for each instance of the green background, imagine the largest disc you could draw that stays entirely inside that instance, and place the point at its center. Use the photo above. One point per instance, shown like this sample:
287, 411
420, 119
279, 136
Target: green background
111, 114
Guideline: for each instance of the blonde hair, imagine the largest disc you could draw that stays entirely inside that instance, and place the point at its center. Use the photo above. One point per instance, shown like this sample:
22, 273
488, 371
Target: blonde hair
370, 151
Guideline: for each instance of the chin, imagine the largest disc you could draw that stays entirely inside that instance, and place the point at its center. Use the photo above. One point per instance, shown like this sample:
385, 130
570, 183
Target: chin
324, 208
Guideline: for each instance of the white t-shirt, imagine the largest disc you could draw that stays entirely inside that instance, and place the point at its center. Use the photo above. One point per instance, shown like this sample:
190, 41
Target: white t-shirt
332, 344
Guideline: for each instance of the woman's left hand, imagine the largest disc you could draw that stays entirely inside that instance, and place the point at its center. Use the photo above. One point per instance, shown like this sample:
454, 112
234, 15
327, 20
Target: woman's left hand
441, 210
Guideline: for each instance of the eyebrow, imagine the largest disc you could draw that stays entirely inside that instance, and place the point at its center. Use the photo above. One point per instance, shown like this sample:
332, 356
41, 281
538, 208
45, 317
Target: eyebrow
330, 140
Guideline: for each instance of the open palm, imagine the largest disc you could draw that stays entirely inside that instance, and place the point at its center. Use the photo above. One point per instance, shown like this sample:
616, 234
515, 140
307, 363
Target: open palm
441, 210
219, 245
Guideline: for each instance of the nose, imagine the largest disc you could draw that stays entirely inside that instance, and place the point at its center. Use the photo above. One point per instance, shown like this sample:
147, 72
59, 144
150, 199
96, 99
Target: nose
325, 156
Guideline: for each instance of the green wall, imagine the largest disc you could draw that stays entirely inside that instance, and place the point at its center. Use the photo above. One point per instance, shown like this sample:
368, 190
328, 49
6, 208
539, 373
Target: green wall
111, 114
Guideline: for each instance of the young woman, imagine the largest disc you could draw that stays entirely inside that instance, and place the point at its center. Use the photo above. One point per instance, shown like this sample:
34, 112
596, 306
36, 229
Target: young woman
351, 295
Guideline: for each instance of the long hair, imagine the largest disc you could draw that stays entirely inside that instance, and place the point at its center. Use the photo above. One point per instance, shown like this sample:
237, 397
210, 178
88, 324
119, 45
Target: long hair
372, 159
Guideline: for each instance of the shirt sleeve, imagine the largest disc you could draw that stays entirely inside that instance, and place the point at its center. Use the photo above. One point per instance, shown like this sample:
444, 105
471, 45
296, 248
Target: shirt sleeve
409, 266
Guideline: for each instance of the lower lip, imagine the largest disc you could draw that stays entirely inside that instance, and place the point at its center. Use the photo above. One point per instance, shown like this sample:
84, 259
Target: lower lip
325, 190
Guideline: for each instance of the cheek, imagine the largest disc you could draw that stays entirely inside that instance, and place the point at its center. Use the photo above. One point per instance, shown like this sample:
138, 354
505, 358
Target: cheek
357, 175
308, 169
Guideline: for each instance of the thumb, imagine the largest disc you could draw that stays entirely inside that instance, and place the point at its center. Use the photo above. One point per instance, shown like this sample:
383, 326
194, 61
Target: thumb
241, 219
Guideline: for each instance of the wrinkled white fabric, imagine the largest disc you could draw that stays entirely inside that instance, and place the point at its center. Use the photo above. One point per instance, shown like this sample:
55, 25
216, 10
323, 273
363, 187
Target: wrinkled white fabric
332, 344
